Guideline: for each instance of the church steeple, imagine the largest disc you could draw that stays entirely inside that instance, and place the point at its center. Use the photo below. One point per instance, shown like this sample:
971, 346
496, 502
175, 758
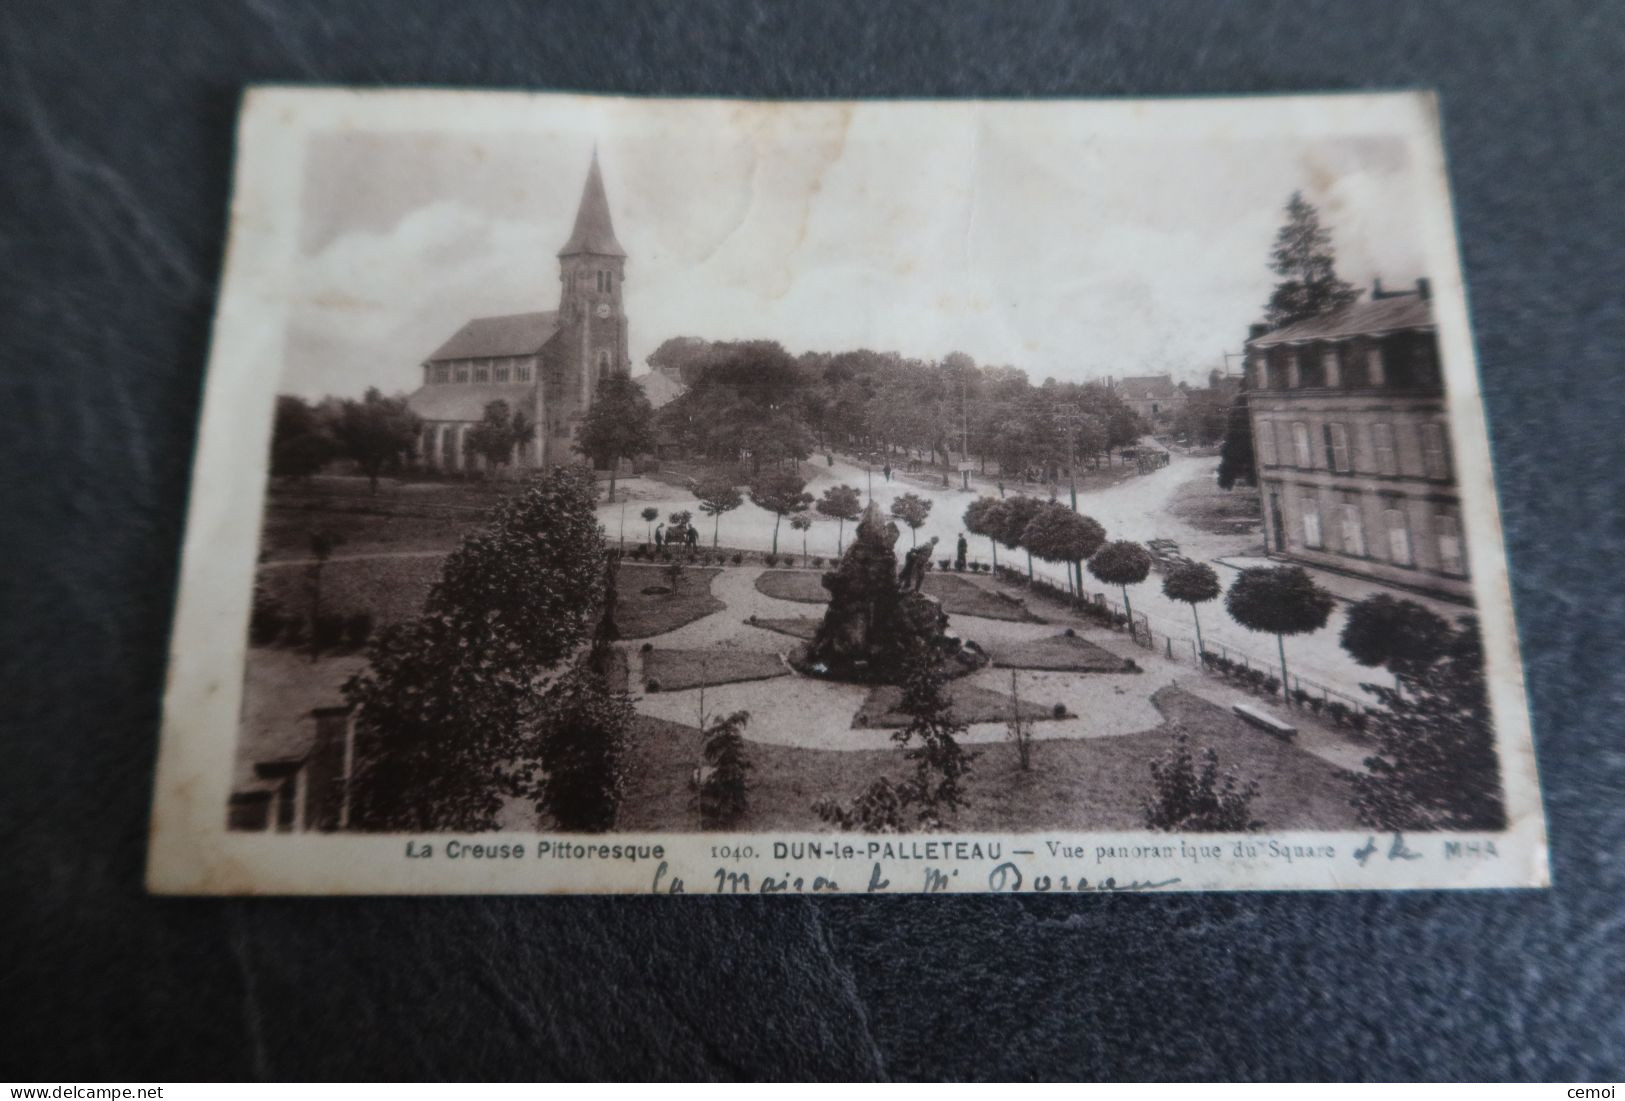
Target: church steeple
593, 234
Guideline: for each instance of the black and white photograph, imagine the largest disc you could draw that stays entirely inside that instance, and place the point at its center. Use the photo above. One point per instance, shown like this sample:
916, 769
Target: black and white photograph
692, 496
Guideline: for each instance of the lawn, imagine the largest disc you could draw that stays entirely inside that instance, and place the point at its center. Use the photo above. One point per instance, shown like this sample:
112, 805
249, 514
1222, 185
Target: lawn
393, 589
401, 516
1203, 505
971, 704
1060, 653
389, 589
959, 595
643, 615
1090, 784
675, 670
802, 627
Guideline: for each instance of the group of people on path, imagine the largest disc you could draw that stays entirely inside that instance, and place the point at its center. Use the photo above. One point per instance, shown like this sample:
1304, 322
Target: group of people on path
687, 535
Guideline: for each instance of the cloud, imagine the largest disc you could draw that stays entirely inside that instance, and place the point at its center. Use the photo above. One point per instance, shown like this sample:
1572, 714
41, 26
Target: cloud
1073, 256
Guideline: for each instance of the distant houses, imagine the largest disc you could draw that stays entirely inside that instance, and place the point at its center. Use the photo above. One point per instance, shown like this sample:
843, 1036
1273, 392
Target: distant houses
1352, 447
1154, 397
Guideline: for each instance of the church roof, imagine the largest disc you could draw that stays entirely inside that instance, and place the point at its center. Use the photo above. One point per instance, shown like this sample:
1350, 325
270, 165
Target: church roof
661, 387
458, 401
515, 334
1366, 317
593, 232
1147, 387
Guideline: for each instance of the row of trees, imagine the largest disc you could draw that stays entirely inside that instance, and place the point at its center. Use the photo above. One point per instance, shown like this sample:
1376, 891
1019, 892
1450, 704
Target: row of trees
1281, 601
378, 435
754, 399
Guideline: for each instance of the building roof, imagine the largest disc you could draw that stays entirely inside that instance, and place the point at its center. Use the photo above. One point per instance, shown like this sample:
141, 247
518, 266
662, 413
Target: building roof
276, 723
661, 387
514, 334
1142, 387
1366, 317
593, 231
461, 401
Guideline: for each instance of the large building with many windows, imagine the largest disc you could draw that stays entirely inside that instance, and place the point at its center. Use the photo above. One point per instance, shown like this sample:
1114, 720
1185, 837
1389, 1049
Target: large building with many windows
1352, 447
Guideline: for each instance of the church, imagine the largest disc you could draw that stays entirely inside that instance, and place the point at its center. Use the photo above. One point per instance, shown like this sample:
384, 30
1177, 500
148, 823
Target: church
546, 365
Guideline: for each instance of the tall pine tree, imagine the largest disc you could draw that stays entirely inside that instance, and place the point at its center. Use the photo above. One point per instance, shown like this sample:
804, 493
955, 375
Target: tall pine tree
1303, 258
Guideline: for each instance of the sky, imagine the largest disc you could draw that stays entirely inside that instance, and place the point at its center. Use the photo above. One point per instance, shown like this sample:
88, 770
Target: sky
1070, 251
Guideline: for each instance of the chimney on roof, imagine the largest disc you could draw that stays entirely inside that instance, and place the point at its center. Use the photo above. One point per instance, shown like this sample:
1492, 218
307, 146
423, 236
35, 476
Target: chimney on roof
1376, 288
1424, 290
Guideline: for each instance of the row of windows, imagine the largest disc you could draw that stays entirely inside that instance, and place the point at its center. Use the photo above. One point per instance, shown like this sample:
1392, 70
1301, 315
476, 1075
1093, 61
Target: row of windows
603, 281
1395, 534
1293, 444
1412, 363
504, 369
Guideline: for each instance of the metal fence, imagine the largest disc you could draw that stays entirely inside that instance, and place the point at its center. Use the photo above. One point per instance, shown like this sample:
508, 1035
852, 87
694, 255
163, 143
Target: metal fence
1177, 646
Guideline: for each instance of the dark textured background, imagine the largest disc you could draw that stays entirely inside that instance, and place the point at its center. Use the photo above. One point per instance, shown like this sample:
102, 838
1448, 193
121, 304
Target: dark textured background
115, 152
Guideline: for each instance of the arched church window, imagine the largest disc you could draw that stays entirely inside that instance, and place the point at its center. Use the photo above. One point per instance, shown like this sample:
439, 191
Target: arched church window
603, 364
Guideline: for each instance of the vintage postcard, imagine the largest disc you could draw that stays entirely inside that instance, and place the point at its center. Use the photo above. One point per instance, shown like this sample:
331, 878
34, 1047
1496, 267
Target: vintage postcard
693, 496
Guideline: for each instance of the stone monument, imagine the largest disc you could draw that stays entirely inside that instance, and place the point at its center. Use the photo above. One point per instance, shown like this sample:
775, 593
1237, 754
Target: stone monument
874, 624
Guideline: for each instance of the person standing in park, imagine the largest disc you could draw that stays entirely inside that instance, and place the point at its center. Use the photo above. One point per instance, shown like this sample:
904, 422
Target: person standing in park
660, 536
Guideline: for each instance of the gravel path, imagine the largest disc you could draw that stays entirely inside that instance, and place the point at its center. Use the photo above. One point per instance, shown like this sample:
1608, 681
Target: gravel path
801, 711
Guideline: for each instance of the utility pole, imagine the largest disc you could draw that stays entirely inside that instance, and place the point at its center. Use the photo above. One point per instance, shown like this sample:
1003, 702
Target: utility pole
964, 430
1068, 413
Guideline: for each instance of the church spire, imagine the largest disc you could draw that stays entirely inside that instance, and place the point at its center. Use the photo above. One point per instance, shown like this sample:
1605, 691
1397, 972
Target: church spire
593, 233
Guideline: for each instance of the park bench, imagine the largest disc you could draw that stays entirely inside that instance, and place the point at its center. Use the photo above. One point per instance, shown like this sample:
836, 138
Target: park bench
1265, 722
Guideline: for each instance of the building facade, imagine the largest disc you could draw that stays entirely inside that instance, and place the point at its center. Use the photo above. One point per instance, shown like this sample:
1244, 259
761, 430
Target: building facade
1352, 445
1153, 397
545, 365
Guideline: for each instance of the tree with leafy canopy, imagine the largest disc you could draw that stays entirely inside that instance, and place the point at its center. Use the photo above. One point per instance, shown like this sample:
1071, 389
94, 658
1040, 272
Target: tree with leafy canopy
499, 432
913, 510
1014, 514
801, 522
619, 425
717, 494
1436, 767
1304, 260
1057, 534
447, 701
1192, 583
376, 432
843, 502
982, 518
1236, 461
1401, 635
1122, 563
780, 493
1280, 600
650, 515
300, 441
